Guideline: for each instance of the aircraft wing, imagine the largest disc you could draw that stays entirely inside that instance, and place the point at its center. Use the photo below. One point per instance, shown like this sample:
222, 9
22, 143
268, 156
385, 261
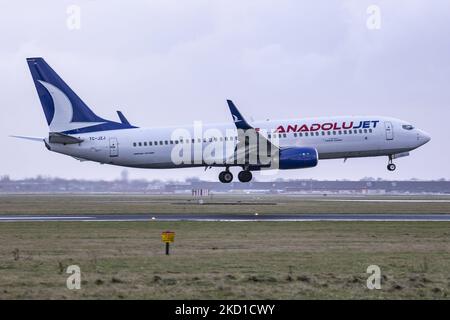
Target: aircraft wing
253, 147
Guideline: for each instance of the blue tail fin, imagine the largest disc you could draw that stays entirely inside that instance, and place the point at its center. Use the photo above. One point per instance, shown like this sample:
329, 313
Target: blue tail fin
63, 109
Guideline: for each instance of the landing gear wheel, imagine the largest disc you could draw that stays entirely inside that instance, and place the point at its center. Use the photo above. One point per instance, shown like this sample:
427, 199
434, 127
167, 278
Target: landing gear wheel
225, 177
245, 176
391, 167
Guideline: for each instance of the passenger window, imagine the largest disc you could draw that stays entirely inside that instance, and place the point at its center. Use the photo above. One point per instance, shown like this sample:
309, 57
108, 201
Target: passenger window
295, 134
193, 141
140, 144
145, 143
329, 133
334, 133
149, 143
370, 130
156, 143
365, 130
134, 144
360, 131
284, 135
306, 134
300, 134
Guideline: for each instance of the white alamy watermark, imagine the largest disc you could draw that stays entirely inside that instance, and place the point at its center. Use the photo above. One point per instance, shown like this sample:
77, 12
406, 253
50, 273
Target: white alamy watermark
73, 20
73, 281
223, 147
374, 280
373, 21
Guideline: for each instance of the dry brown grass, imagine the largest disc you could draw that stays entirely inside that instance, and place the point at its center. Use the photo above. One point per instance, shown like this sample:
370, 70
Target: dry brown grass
274, 260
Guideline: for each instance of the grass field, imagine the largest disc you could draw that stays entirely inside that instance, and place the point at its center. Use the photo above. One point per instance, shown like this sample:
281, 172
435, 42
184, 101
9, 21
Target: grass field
248, 260
119, 203
225, 260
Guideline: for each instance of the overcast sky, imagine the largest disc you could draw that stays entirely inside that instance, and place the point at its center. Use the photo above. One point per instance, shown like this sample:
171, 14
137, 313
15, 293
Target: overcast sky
173, 62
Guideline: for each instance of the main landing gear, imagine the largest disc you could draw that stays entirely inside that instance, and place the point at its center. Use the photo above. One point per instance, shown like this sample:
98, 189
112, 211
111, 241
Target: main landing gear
225, 176
243, 176
391, 166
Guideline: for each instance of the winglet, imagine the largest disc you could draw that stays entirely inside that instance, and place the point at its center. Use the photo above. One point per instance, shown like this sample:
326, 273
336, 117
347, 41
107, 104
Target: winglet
238, 119
122, 118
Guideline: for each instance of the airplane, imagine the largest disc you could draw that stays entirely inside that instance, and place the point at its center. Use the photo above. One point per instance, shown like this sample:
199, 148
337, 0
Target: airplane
75, 130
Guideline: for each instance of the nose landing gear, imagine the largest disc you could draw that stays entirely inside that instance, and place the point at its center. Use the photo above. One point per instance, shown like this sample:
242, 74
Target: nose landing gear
391, 166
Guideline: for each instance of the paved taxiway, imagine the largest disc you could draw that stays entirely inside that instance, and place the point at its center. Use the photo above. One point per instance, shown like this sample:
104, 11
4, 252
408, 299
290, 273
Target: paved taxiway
229, 217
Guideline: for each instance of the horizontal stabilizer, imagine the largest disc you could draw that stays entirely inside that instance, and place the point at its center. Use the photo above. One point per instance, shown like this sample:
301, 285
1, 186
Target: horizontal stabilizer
56, 137
29, 138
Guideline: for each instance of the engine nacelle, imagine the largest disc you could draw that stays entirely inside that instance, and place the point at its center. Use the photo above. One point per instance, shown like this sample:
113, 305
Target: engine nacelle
298, 158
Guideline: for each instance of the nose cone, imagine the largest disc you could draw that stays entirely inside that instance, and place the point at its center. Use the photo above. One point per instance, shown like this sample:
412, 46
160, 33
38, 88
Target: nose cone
426, 137
423, 137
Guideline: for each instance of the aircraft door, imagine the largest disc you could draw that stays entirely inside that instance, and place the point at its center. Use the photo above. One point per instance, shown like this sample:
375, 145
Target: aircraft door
389, 130
113, 147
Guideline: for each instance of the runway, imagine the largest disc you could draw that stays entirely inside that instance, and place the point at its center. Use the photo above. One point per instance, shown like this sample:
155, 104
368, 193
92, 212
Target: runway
226, 217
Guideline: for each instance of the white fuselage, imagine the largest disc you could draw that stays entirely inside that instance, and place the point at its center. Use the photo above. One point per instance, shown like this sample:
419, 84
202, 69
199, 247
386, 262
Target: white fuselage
333, 137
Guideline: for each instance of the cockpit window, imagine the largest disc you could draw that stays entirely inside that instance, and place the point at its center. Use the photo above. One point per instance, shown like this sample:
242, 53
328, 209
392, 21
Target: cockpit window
407, 127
